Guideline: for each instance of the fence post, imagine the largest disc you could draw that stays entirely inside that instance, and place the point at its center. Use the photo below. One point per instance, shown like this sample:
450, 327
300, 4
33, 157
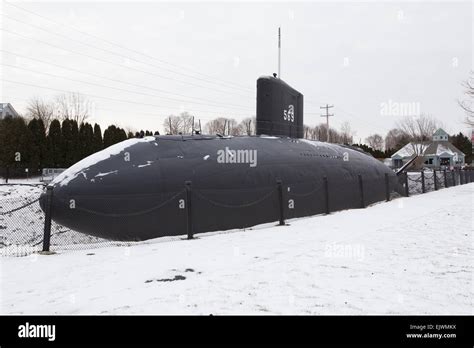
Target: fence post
280, 201
435, 178
407, 191
361, 190
387, 188
445, 179
326, 194
47, 218
189, 216
423, 181
454, 177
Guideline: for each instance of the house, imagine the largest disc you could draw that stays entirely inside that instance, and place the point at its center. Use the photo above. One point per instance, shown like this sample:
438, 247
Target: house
439, 153
6, 109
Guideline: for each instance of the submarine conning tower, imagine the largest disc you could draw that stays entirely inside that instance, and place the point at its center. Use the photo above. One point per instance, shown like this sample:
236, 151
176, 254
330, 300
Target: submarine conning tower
279, 108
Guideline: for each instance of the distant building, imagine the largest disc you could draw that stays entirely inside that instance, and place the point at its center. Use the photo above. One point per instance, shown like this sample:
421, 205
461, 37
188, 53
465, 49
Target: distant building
439, 153
6, 109
48, 174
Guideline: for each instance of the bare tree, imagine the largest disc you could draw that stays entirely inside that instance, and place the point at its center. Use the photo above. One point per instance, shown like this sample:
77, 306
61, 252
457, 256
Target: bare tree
186, 124
306, 132
73, 106
216, 126
233, 127
247, 126
347, 133
395, 139
314, 133
172, 125
224, 126
467, 105
418, 130
38, 108
375, 141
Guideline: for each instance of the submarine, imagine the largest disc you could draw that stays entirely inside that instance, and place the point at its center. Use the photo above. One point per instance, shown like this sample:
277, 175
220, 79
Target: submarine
163, 185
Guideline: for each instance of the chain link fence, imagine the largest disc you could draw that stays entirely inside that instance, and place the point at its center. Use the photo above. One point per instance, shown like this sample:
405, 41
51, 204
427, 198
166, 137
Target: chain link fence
417, 182
23, 224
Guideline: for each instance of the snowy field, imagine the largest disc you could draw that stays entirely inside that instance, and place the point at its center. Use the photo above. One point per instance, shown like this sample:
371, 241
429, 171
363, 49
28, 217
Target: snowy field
409, 256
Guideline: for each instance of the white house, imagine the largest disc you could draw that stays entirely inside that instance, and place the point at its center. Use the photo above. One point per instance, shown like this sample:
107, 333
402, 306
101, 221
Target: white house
439, 153
6, 109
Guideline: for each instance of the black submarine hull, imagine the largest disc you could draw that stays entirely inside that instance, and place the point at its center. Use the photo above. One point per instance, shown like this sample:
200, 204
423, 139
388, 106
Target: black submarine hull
136, 190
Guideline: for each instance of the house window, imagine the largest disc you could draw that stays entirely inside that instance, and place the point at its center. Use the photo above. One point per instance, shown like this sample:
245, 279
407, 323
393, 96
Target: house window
444, 161
429, 161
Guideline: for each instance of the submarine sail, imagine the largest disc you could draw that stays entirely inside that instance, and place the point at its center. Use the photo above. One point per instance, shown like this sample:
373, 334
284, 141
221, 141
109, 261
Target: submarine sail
279, 108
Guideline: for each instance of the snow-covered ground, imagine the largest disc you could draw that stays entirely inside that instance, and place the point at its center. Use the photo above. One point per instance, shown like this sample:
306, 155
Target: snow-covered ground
410, 255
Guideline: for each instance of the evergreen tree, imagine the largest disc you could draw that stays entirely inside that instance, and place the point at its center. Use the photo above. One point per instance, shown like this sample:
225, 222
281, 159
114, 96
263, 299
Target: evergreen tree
97, 139
54, 145
67, 145
75, 142
463, 144
121, 135
15, 145
109, 136
38, 145
43, 143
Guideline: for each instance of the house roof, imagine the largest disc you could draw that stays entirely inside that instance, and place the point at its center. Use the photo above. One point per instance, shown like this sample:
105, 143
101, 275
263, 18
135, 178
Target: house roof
440, 131
409, 150
438, 148
435, 148
9, 107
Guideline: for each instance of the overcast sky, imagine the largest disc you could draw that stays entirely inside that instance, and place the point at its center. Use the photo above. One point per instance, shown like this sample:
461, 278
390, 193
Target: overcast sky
208, 55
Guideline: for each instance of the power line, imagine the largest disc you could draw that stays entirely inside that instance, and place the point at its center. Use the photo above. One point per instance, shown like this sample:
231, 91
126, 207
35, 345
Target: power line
140, 113
115, 88
122, 47
107, 98
117, 64
114, 53
115, 80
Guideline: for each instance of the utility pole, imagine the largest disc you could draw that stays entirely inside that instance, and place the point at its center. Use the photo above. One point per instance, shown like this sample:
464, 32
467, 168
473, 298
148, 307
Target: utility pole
327, 107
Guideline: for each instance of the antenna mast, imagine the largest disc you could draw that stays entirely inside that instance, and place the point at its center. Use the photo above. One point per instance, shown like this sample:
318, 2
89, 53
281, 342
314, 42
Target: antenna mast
279, 51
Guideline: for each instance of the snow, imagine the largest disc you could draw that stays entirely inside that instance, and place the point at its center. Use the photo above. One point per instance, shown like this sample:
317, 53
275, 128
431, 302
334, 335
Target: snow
148, 163
268, 137
409, 150
322, 145
441, 150
78, 168
411, 256
205, 158
105, 174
